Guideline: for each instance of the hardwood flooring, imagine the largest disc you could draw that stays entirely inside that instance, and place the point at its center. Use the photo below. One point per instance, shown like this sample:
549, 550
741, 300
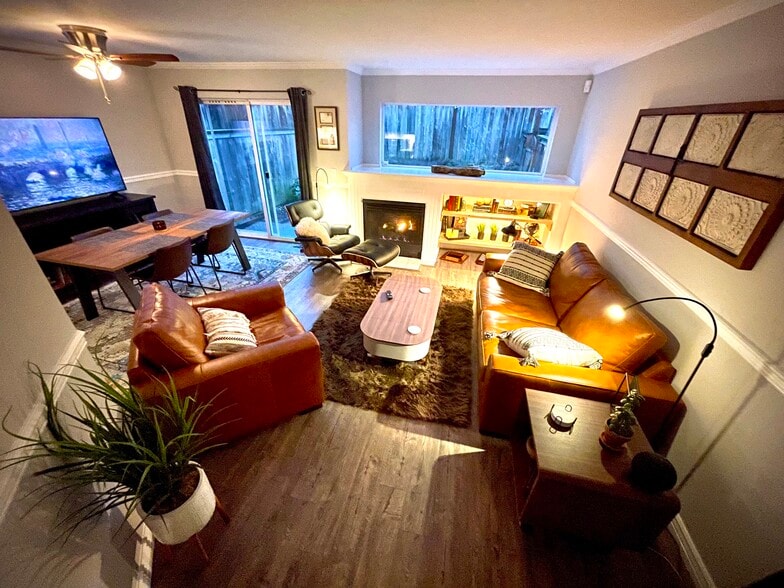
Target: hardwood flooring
348, 497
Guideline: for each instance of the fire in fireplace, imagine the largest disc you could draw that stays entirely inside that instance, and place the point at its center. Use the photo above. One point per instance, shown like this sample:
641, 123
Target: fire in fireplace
401, 222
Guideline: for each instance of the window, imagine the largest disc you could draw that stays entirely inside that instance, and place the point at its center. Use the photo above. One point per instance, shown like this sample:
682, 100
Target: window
503, 138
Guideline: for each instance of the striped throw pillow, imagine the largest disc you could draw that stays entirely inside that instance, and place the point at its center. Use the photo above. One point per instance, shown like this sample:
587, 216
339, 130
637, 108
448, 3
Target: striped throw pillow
228, 331
535, 344
529, 267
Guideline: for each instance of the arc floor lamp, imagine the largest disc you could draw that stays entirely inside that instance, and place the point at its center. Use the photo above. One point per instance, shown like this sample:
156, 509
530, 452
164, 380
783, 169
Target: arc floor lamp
617, 312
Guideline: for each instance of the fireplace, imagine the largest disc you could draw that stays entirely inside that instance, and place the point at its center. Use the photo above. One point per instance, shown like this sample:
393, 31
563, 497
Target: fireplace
400, 222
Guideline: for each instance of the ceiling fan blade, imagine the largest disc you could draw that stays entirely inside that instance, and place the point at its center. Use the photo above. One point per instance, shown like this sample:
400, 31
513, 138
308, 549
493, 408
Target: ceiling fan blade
139, 63
30, 52
153, 57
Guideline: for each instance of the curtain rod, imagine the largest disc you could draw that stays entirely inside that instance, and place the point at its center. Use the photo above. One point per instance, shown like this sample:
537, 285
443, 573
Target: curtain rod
176, 88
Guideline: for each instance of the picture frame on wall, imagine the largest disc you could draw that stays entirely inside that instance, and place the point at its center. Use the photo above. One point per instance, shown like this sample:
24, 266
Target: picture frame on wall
327, 128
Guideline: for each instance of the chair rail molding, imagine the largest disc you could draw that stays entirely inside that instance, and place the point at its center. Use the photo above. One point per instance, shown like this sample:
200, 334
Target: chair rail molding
729, 334
169, 173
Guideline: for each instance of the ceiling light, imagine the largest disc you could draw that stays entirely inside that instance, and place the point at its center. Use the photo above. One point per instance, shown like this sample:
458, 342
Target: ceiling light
85, 67
109, 71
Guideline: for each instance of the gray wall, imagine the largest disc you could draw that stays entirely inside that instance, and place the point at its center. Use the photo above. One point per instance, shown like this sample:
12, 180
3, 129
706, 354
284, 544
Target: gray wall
563, 92
729, 448
34, 86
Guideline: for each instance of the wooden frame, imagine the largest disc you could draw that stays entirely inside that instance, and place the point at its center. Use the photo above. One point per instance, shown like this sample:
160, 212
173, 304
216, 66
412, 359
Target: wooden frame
327, 127
712, 174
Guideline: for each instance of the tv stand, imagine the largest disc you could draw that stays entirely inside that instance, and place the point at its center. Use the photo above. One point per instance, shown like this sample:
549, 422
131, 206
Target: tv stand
48, 227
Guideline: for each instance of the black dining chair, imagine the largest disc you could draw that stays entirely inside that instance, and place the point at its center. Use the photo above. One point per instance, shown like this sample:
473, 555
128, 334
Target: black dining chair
169, 263
219, 239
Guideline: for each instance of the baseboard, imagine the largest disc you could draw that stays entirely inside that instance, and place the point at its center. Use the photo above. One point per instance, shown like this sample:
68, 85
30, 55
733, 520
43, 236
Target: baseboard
700, 575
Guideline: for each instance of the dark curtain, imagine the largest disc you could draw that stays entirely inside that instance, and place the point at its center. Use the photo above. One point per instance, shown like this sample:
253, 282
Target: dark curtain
201, 152
299, 111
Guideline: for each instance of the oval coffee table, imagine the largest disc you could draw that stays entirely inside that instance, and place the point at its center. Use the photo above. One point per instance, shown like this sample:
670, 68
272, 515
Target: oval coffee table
385, 327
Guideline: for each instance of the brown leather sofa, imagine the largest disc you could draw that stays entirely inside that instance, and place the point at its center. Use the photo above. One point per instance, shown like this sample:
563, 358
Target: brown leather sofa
248, 390
580, 291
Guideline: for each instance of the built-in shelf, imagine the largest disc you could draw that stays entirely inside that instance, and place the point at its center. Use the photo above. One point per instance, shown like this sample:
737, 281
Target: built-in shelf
498, 216
475, 244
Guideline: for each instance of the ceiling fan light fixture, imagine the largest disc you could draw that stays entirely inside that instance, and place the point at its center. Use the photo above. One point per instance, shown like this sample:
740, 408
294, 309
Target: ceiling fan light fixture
85, 67
109, 70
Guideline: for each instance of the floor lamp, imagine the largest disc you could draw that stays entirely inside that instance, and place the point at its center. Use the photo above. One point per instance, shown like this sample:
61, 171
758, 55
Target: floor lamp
617, 312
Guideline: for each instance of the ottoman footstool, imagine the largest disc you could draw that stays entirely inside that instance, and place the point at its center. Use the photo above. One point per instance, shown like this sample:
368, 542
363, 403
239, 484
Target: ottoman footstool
373, 254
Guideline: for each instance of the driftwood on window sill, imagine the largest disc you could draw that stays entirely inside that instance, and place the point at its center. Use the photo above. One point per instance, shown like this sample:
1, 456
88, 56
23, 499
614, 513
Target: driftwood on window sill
458, 171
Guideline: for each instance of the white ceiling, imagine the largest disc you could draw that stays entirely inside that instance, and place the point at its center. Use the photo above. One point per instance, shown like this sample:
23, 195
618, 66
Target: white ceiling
383, 36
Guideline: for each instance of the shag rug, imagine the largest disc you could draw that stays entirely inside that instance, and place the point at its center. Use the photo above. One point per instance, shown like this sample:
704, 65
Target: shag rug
436, 388
108, 335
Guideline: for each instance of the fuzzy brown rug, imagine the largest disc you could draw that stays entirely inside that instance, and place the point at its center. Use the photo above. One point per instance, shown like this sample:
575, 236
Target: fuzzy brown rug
436, 388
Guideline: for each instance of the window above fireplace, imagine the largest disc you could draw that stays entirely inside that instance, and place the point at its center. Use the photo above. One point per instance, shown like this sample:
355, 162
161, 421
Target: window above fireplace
513, 139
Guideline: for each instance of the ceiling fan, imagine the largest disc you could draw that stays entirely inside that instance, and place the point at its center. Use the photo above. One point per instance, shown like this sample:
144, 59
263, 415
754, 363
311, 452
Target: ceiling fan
94, 60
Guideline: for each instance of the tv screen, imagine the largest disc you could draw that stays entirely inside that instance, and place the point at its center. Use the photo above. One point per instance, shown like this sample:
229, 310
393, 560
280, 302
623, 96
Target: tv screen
44, 161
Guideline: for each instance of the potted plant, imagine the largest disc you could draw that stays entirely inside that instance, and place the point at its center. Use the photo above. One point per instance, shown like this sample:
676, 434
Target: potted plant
619, 429
493, 232
480, 231
122, 451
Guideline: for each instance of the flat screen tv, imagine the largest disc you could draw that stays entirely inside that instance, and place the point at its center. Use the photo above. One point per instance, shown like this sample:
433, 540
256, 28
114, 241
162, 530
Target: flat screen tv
46, 161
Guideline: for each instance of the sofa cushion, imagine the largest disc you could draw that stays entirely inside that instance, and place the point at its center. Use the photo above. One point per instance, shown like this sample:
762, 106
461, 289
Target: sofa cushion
510, 299
528, 266
552, 346
576, 272
167, 331
228, 331
624, 345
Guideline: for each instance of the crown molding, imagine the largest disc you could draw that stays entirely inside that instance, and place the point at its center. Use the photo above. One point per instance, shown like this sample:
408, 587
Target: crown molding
685, 32
572, 71
276, 65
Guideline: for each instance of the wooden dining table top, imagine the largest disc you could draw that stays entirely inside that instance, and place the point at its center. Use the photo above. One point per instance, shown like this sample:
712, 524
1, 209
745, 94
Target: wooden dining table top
115, 250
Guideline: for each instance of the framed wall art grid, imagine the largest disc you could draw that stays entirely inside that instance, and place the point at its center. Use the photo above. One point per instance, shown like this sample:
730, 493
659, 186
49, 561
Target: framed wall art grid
712, 174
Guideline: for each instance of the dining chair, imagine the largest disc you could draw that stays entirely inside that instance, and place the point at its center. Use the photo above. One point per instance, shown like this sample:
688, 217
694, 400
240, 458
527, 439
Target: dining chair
169, 263
219, 239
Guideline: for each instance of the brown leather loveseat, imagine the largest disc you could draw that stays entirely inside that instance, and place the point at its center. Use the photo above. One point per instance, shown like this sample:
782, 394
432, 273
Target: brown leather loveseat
580, 291
249, 389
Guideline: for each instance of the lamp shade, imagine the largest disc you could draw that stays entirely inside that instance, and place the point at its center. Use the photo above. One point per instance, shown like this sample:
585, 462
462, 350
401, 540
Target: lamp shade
85, 67
109, 70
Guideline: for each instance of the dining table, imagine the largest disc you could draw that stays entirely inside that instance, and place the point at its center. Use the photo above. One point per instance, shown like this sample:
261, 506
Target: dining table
114, 251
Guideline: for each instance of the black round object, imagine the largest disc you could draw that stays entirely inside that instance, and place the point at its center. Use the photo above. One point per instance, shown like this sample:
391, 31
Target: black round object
652, 472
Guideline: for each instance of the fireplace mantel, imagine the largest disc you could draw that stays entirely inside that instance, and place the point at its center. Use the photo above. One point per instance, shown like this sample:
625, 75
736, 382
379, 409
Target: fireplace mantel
421, 186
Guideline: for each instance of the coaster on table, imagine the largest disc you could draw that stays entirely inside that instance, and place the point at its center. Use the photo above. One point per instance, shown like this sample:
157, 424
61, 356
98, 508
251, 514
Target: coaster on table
424, 290
414, 330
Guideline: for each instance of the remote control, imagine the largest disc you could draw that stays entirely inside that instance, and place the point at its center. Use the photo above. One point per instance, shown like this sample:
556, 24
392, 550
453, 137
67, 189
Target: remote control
388, 294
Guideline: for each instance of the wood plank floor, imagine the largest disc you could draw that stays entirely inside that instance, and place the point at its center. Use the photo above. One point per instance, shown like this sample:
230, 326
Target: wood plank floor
348, 497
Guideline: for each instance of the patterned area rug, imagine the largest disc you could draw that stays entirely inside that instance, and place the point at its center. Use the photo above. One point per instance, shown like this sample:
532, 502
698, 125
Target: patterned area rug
436, 388
109, 334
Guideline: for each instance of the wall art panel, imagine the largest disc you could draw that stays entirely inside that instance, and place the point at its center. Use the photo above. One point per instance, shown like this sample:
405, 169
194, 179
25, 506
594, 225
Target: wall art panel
712, 174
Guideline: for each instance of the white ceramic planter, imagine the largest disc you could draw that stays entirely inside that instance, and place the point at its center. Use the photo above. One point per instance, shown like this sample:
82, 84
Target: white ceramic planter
186, 520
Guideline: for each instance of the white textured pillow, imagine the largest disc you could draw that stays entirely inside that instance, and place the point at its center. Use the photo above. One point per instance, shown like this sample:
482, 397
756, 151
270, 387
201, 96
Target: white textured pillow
227, 331
310, 227
529, 267
537, 344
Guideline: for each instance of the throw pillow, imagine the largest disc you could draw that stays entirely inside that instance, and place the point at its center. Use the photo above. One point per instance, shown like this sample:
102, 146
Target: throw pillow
228, 331
529, 267
537, 344
310, 227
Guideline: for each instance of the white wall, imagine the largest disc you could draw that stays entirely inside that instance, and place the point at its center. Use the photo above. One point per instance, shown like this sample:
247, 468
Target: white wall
34, 86
563, 92
728, 451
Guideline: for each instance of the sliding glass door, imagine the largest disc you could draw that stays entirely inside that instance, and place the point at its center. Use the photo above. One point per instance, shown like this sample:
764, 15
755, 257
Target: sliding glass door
254, 155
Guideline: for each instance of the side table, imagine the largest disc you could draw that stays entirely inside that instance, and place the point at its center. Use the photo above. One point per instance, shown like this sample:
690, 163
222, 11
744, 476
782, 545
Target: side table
581, 489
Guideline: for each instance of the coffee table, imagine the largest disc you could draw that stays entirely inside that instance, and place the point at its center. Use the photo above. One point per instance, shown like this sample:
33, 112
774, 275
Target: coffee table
581, 489
401, 328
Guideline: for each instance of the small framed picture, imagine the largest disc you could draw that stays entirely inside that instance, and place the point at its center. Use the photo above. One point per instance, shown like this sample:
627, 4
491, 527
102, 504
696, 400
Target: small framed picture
327, 127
